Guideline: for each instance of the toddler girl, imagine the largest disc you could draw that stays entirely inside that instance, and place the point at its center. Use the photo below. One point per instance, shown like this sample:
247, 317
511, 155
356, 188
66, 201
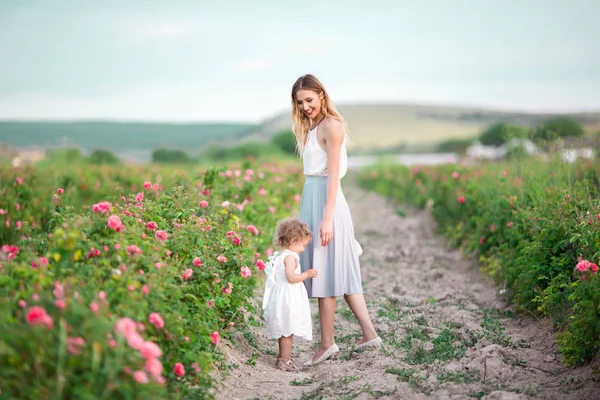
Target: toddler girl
285, 302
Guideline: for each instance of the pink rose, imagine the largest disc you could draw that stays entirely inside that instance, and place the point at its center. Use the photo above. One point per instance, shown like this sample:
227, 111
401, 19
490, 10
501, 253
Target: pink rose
203, 204
156, 320
179, 370
215, 338
140, 377
187, 274
150, 350
161, 235
252, 229
37, 316
246, 273
114, 222
154, 367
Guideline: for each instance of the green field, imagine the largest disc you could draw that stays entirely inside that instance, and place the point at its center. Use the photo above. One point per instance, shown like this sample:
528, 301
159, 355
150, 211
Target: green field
375, 126
117, 136
372, 127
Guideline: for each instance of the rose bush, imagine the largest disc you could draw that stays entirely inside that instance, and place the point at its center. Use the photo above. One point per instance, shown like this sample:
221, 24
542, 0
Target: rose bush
531, 222
124, 288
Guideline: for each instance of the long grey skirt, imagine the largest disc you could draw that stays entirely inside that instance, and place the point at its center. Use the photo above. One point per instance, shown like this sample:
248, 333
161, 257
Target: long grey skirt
337, 263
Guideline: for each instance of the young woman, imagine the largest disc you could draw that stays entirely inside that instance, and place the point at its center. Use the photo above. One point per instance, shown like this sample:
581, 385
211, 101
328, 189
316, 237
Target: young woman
321, 141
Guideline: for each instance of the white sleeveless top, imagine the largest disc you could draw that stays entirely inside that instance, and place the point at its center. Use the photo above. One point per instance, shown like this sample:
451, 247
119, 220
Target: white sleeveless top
315, 158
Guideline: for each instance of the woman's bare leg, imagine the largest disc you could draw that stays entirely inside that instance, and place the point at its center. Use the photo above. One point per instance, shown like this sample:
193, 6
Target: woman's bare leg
327, 316
357, 304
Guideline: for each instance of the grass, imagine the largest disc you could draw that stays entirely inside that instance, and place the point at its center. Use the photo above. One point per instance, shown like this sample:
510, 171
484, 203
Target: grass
494, 330
444, 346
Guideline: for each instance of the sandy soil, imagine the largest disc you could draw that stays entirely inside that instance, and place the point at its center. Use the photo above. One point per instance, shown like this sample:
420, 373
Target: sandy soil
447, 333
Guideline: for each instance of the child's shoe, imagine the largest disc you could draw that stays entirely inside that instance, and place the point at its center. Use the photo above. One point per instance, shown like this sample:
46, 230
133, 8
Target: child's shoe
286, 365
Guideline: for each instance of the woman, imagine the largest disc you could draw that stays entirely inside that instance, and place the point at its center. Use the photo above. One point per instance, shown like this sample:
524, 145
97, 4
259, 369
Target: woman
320, 139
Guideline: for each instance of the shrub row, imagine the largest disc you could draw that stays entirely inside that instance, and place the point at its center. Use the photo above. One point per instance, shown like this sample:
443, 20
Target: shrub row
121, 282
535, 226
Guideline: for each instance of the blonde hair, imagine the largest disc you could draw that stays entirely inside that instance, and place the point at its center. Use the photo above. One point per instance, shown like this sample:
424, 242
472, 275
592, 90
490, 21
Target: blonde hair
289, 230
301, 123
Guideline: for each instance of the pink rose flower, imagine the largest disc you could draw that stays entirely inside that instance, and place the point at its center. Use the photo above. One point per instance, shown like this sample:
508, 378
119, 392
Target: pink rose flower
156, 320
215, 338
154, 367
37, 316
161, 235
246, 273
114, 222
252, 229
140, 377
187, 274
179, 370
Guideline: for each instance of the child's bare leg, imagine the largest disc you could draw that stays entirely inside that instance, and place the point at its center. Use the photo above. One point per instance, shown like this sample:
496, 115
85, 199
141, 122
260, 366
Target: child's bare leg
285, 347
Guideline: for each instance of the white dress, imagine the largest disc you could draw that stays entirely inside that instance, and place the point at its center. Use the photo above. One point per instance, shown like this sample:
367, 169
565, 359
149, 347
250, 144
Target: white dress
286, 307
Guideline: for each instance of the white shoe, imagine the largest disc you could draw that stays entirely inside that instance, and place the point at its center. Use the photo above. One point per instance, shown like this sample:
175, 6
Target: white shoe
371, 343
330, 352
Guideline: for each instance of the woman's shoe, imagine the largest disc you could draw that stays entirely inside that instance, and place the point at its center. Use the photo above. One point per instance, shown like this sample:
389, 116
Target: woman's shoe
327, 355
371, 343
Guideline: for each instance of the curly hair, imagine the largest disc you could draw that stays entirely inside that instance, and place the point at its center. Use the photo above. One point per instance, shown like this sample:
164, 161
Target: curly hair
289, 230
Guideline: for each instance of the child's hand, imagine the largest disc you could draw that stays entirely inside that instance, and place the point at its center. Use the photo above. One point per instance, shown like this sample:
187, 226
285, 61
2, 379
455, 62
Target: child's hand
312, 273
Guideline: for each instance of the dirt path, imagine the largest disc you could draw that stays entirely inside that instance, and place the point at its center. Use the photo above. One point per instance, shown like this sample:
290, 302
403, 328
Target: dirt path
447, 334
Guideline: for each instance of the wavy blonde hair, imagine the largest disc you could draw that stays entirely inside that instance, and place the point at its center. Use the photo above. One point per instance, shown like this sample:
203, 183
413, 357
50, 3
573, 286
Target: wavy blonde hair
301, 123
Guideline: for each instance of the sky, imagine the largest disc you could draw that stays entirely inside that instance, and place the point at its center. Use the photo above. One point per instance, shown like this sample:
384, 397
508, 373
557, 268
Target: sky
146, 60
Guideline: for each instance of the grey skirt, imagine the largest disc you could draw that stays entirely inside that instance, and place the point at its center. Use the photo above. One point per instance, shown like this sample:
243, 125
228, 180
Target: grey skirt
337, 263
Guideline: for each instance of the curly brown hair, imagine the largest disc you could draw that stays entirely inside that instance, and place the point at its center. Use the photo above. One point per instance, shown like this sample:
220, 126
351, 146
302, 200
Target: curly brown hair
289, 230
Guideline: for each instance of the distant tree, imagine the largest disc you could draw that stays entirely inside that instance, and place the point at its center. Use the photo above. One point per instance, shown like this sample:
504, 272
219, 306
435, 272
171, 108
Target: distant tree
103, 157
170, 156
494, 135
500, 133
454, 145
558, 127
286, 141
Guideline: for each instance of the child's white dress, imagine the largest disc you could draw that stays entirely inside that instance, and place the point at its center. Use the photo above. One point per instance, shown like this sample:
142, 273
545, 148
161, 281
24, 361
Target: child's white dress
286, 307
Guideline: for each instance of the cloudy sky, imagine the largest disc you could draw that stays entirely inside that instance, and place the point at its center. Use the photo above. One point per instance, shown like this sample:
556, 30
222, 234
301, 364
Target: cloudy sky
236, 60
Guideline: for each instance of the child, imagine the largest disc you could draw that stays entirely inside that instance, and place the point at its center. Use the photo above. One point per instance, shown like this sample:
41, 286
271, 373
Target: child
285, 302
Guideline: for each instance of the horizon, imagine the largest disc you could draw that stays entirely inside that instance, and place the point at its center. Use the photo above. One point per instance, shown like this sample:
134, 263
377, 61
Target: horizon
469, 108
235, 63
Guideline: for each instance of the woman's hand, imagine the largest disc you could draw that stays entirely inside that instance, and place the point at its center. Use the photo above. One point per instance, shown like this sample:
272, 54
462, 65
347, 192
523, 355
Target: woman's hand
326, 231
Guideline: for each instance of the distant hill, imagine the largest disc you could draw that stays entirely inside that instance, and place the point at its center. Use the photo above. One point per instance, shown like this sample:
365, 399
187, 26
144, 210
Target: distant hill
371, 126
384, 125
128, 139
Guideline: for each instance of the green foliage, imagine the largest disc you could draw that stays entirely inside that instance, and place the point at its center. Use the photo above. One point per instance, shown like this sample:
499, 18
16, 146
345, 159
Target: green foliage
170, 156
286, 141
562, 126
530, 222
494, 135
455, 145
252, 150
103, 157
87, 276
498, 134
